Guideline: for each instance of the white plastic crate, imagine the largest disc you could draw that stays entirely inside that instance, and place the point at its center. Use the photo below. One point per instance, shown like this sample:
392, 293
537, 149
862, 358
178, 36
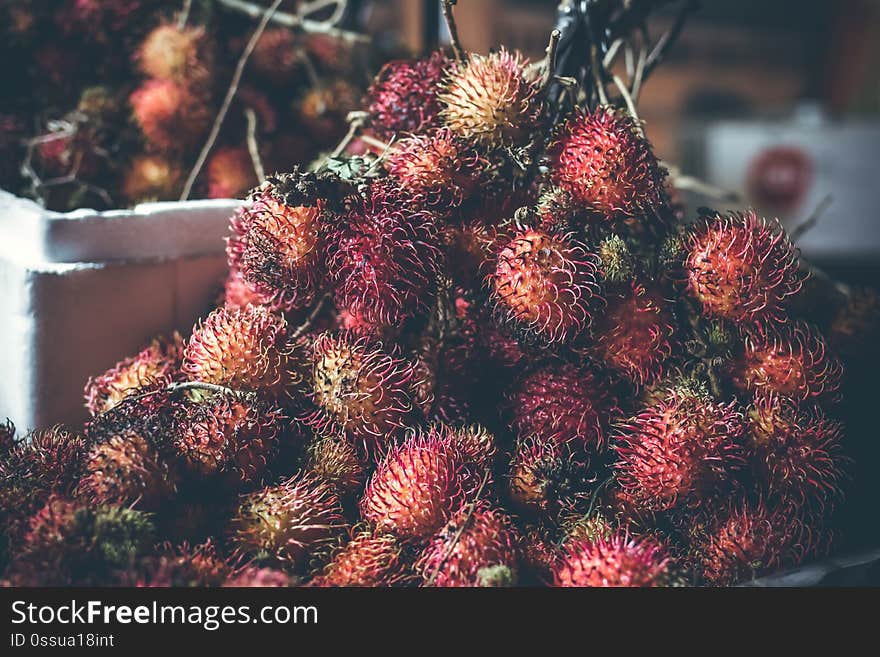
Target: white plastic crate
81, 290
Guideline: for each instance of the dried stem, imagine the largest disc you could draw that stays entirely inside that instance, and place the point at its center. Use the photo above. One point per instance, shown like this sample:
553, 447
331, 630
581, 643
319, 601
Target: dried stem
550, 59
297, 21
691, 184
630, 104
598, 74
662, 47
183, 386
227, 101
183, 16
253, 146
810, 222
356, 120
453, 29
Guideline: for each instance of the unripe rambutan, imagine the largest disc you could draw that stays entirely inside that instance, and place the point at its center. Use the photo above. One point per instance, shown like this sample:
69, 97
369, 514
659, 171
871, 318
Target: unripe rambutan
68, 544
635, 335
438, 170
791, 360
417, 487
556, 210
607, 165
796, 452
152, 178
126, 470
170, 115
288, 522
620, 560
745, 541
741, 268
360, 390
617, 262
493, 100
243, 349
545, 285
367, 560
278, 247
171, 52
231, 436
334, 460
185, 566
679, 452
403, 96
474, 539
382, 258
564, 403
230, 173
158, 363
251, 577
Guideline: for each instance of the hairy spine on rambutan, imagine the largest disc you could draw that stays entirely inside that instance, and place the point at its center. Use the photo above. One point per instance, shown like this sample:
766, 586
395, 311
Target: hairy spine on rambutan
619, 560
545, 285
360, 390
403, 96
493, 100
184, 566
636, 334
287, 523
539, 477
383, 258
796, 452
741, 268
158, 363
603, 160
230, 436
791, 360
367, 560
417, 487
474, 539
681, 451
243, 349
334, 459
564, 403
437, 169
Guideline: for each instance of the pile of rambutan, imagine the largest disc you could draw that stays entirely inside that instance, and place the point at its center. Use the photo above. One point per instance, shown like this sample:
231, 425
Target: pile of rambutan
488, 351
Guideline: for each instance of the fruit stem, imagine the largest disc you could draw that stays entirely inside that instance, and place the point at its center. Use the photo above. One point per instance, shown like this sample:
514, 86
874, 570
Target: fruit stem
453, 29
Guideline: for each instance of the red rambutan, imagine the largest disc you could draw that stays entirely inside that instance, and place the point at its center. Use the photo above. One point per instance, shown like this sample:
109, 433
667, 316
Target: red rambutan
620, 560
367, 560
564, 403
791, 360
230, 173
679, 451
185, 566
251, 577
472, 543
382, 258
403, 96
360, 390
635, 335
239, 293
276, 57
492, 100
741, 268
545, 285
170, 115
287, 523
607, 165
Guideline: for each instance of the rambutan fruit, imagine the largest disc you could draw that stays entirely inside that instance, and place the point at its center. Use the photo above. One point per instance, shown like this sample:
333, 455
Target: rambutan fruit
636, 334
68, 544
603, 160
383, 258
746, 540
618, 263
171, 52
276, 57
185, 566
158, 363
438, 170
538, 555
492, 100
232, 436
741, 268
556, 210
541, 477
472, 542
681, 451
126, 470
561, 402
243, 349
287, 523
417, 487
476, 444
368, 560
251, 577
152, 178
334, 460
170, 115
230, 173
403, 96
620, 560
239, 293
360, 390
796, 452
469, 251
791, 360
279, 247
323, 110
545, 285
